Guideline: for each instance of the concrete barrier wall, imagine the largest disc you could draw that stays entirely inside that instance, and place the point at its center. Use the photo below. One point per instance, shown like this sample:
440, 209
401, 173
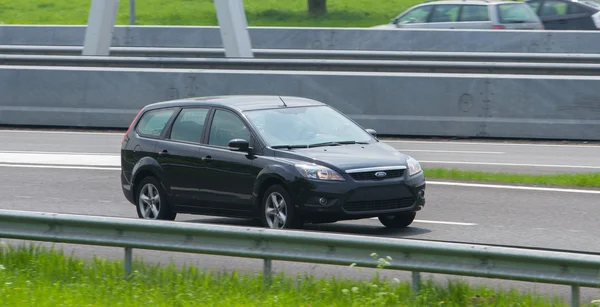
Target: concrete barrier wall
391, 103
319, 38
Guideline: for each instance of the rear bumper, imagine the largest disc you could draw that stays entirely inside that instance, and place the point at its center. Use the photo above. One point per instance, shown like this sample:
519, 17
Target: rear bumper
127, 188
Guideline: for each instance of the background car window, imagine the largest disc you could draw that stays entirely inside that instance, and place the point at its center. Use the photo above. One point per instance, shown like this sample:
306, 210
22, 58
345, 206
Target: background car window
189, 125
474, 13
560, 8
225, 127
153, 122
445, 13
534, 5
516, 13
417, 15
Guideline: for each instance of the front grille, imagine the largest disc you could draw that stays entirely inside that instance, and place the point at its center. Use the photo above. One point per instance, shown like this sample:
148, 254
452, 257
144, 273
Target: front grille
379, 205
371, 175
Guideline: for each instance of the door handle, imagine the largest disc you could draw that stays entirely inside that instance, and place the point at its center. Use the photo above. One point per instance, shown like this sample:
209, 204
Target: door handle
207, 158
163, 153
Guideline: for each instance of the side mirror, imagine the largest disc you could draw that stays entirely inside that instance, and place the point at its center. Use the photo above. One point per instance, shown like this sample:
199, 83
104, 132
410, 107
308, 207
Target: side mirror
239, 145
372, 132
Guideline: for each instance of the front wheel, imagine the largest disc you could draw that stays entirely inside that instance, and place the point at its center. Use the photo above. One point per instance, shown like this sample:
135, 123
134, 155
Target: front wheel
278, 210
401, 220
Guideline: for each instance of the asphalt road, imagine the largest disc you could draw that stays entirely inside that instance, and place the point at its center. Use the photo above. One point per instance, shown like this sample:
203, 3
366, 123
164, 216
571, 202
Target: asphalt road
491, 215
539, 158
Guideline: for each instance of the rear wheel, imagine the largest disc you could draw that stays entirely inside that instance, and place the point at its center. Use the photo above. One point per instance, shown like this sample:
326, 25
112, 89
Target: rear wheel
277, 209
401, 220
151, 201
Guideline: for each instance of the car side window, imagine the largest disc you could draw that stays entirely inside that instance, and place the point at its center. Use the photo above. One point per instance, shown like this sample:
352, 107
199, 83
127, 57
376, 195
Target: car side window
225, 127
474, 13
417, 15
445, 13
153, 122
535, 5
553, 8
189, 125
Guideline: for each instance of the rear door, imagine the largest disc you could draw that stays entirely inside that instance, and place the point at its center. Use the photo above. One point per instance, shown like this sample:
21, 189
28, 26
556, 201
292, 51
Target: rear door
179, 155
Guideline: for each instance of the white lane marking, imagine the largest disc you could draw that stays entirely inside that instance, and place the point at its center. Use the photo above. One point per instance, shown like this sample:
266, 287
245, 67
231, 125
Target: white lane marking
490, 144
61, 132
61, 167
56, 153
439, 222
453, 151
61, 159
512, 164
511, 187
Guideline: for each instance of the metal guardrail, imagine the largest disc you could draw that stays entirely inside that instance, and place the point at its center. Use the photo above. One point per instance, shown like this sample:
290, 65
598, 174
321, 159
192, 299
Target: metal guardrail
308, 65
566, 268
316, 54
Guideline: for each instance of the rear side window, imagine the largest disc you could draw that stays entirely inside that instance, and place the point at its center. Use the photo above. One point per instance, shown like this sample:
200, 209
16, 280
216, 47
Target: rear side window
474, 13
153, 122
445, 13
516, 13
189, 125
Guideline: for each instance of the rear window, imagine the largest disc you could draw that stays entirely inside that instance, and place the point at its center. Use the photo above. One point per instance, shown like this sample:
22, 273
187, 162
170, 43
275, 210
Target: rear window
516, 13
153, 122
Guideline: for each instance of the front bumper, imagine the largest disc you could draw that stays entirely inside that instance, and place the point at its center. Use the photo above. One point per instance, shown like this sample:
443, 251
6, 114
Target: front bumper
334, 201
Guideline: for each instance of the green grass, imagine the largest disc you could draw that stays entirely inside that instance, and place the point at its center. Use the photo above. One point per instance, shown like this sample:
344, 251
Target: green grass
34, 276
571, 180
292, 13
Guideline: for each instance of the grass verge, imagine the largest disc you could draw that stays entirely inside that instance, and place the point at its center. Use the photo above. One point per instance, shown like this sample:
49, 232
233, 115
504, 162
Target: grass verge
341, 13
590, 180
36, 276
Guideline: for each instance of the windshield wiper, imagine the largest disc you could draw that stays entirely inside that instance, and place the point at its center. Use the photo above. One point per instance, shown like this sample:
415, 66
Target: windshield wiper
289, 146
335, 143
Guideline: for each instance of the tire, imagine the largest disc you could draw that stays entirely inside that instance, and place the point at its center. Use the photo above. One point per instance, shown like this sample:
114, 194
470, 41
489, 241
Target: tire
148, 187
401, 220
285, 207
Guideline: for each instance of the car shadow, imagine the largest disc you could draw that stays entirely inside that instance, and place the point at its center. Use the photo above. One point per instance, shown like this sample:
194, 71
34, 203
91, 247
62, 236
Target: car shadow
339, 227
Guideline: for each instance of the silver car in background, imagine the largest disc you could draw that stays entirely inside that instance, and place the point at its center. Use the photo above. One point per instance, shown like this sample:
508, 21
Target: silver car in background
467, 14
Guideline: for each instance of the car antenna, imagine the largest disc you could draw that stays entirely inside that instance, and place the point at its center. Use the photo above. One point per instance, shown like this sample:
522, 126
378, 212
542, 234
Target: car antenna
285, 105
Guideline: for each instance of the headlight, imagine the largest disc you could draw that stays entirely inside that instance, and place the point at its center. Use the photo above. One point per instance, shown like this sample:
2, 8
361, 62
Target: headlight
413, 166
313, 171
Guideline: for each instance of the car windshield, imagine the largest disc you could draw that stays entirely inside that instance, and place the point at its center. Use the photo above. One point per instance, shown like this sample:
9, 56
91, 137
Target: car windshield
306, 127
594, 3
516, 13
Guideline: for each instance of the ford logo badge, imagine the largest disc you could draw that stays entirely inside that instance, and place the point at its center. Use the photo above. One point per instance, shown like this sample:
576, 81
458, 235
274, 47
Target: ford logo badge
380, 174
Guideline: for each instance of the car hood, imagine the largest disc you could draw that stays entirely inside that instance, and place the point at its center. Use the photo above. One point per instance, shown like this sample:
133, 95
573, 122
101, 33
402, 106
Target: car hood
346, 157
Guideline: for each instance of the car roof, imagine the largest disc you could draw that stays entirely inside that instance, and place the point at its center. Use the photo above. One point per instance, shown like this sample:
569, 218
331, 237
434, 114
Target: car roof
482, 2
240, 103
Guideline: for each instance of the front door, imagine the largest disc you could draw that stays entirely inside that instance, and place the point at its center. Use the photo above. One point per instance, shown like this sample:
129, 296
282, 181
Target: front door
229, 175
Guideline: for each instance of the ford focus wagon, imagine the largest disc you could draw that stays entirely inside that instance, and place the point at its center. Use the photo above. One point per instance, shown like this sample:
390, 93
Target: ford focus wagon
284, 160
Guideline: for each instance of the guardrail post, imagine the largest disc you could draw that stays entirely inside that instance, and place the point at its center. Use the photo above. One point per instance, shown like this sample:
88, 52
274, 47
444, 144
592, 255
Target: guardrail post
575, 296
416, 282
234, 28
128, 260
267, 271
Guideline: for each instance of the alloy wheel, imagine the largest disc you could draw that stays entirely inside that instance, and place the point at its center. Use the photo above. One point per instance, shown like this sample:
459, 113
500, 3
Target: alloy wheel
276, 211
149, 201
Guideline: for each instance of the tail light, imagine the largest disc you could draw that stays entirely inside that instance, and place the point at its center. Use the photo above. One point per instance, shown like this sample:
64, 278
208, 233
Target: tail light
498, 27
131, 125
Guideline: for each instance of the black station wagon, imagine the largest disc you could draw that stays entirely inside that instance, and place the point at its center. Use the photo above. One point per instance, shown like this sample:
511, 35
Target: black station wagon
283, 160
